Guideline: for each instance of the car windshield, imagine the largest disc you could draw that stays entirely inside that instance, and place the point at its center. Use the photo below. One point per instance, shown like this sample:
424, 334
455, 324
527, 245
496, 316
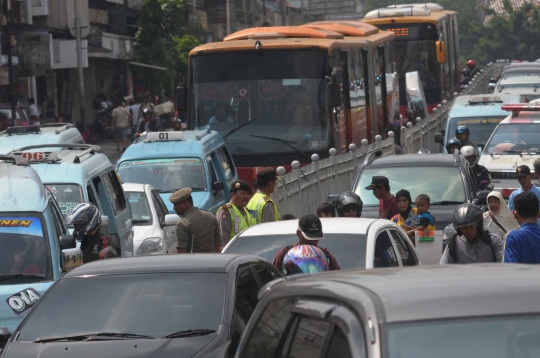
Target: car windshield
439, 183
165, 174
23, 248
154, 305
277, 94
68, 196
480, 127
140, 210
498, 337
348, 249
515, 137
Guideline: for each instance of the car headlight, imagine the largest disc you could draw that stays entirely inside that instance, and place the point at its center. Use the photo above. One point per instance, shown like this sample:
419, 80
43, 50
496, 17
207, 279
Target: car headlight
152, 245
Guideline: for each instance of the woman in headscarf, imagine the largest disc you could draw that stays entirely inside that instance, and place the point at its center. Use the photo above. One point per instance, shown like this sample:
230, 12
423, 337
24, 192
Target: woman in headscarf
499, 219
407, 214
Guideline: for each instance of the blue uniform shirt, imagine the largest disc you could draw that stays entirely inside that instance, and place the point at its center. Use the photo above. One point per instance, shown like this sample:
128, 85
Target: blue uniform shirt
534, 189
523, 245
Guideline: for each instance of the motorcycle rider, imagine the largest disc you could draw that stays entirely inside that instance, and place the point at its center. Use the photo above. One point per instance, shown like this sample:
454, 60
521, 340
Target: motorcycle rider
86, 219
471, 243
349, 205
148, 124
452, 145
463, 134
479, 172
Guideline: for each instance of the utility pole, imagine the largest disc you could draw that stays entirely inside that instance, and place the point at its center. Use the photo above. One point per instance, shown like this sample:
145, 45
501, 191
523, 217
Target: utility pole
8, 44
79, 62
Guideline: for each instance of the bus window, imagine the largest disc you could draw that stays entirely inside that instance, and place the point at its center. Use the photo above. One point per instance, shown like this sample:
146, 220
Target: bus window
380, 86
358, 91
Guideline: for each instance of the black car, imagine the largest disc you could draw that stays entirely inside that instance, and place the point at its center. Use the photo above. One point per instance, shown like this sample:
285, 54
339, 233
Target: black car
484, 310
152, 306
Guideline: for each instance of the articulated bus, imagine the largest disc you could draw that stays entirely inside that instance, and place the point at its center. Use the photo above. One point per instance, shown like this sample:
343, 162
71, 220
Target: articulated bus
427, 42
279, 94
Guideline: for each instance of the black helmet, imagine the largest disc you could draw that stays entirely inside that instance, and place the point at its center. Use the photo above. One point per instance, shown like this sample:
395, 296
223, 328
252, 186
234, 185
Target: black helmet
452, 142
147, 111
468, 215
463, 129
347, 198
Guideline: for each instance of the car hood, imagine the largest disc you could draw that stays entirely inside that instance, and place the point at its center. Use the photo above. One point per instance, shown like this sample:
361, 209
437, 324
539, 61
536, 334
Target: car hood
132, 348
442, 213
8, 317
200, 200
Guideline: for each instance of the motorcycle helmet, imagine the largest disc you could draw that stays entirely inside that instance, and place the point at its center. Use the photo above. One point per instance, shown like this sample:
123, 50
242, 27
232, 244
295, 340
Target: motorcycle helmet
471, 64
463, 130
468, 215
147, 111
453, 142
87, 215
469, 152
348, 198
305, 259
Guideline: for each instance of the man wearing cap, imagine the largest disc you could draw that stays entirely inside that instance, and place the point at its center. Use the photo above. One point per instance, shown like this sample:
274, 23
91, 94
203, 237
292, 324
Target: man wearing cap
309, 232
197, 230
387, 202
261, 206
233, 217
524, 178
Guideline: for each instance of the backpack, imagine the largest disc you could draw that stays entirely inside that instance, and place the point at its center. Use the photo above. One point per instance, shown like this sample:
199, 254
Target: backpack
452, 245
326, 253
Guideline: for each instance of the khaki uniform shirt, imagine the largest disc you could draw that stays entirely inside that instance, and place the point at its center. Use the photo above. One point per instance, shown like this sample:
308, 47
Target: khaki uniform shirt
200, 225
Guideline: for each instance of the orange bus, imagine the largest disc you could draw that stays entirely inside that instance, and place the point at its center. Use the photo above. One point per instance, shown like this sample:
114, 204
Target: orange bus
278, 94
427, 42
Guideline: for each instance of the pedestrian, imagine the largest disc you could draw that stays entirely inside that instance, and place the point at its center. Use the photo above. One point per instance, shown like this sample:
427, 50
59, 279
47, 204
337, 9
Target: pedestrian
33, 111
523, 245
233, 217
349, 205
197, 230
387, 202
120, 125
134, 112
326, 210
537, 171
499, 219
309, 232
48, 108
524, 178
286, 217
471, 243
406, 216
261, 205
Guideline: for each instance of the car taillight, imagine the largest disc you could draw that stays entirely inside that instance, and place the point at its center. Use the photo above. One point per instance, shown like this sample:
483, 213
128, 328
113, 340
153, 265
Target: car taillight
506, 192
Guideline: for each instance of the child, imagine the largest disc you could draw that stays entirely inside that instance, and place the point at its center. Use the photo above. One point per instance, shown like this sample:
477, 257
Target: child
423, 218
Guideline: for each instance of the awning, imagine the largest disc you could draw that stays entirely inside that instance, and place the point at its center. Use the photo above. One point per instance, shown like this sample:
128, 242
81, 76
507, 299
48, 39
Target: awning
148, 66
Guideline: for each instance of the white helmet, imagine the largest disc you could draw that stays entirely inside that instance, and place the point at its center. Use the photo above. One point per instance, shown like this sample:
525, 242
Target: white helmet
470, 153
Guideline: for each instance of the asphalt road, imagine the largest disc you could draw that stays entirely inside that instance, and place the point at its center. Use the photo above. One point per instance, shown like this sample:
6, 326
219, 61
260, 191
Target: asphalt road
109, 149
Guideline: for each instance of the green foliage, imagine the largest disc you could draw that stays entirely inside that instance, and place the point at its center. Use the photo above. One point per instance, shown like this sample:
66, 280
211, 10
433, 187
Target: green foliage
163, 40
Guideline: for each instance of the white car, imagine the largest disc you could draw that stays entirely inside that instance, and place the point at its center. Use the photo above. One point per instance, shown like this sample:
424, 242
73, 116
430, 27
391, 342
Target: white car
154, 228
354, 242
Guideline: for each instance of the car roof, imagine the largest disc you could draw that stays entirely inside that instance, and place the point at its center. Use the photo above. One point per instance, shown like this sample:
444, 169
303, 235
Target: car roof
405, 160
462, 108
135, 187
329, 225
202, 263
429, 292
523, 117
47, 135
190, 147
21, 189
525, 81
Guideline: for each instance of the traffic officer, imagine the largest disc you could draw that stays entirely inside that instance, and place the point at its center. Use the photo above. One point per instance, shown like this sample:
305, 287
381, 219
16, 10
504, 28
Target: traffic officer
197, 230
233, 217
261, 206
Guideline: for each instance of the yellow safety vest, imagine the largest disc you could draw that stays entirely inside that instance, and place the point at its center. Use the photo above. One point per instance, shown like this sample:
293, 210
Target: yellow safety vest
239, 221
256, 206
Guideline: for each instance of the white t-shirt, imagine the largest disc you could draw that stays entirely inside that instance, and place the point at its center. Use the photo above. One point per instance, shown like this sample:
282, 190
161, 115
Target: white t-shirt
33, 111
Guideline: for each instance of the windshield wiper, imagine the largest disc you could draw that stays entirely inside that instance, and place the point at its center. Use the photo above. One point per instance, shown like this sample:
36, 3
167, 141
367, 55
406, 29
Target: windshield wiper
190, 333
286, 142
93, 336
18, 275
446, 202
174, 190
237, 128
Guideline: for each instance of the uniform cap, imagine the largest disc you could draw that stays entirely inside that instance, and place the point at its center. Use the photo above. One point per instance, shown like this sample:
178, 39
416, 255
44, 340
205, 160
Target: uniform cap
240, 185
378, 182
180, 195
311, 227
523, 170
268, 174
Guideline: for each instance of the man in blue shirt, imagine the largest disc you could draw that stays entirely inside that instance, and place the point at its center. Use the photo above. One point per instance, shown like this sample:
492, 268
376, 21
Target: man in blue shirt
523, 245
525, 180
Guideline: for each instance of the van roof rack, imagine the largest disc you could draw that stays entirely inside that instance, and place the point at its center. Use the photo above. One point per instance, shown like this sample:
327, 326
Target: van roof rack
61, 126
85, 149
14, 159
22, 130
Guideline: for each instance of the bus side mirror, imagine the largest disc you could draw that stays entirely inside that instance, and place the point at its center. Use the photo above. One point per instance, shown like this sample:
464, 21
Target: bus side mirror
181, 98
333, 93
441, 51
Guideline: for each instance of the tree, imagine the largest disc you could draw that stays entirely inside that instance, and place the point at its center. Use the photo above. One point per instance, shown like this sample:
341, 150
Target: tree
164, 39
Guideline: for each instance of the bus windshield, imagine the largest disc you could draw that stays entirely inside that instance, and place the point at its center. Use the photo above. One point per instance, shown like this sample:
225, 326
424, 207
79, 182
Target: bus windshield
275, 94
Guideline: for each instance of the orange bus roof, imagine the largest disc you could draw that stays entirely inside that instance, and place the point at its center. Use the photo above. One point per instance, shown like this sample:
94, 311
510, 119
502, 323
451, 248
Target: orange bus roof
434, 17
347, 28
282, 31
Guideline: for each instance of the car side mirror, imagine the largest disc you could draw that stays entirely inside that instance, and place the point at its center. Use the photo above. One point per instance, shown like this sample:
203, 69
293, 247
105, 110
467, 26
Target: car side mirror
181, 98
104, 221
333, 198
171, 219
439, 138
333, 93
218, 186
67, 241
72, 258
481, 198
5, 335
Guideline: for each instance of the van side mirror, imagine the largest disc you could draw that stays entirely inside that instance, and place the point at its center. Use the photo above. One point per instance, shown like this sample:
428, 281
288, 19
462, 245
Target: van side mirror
439, 138
72, 258
481, 198
333, 93
443, 132
171, 219
67, 241
104, 221
181, 98
218, 186
5, 335
441, 51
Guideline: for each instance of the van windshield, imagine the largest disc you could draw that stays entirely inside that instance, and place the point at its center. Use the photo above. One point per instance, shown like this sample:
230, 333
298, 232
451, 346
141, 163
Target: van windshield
480, 127
68, 196
165, 174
